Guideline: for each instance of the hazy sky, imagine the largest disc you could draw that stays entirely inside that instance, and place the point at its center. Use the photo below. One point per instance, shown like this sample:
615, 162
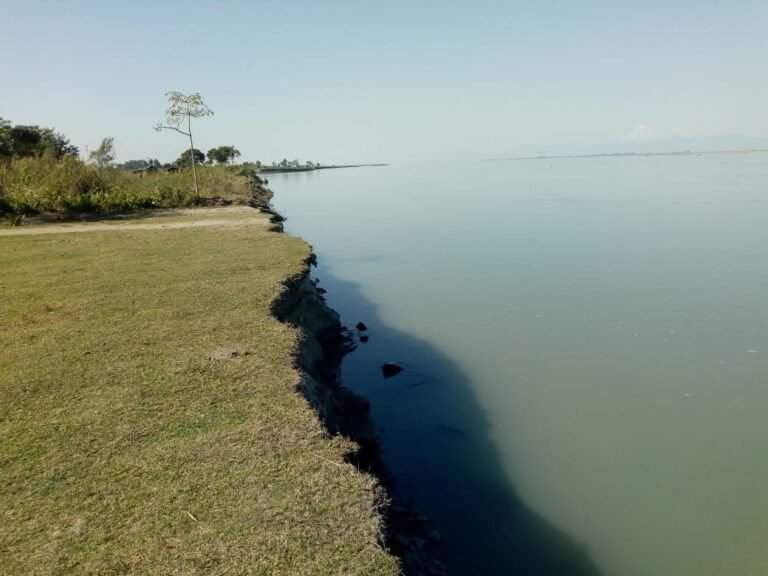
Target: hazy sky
339, 81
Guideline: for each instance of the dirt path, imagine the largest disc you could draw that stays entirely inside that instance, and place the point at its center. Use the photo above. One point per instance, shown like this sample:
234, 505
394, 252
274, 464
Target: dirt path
240, 217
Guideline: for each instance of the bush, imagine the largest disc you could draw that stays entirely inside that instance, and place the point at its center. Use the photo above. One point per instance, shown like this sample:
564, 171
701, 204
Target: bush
34, 185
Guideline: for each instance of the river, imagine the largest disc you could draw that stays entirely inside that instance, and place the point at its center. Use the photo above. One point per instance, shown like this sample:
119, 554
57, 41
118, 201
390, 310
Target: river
585, 344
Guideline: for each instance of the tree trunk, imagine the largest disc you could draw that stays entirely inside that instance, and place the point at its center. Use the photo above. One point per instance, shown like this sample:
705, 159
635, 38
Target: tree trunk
192, 157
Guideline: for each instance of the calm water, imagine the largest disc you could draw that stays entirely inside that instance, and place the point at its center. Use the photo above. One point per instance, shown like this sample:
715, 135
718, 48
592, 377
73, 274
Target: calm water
586, 353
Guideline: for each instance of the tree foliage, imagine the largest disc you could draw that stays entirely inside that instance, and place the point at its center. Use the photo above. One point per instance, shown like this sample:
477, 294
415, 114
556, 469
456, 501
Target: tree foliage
186, 157
223, 154
104, 154
6, 143
22, 141
181, 109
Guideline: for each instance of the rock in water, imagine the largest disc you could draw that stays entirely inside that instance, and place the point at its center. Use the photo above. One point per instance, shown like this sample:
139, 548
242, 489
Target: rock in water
361, 327
364, 338
389, 369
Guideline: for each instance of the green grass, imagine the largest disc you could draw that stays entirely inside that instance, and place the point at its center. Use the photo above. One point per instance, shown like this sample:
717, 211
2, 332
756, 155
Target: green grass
134, 443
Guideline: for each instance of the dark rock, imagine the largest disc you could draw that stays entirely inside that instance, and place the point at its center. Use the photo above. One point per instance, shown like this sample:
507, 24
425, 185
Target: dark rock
348, 342
361, 327
364, 338
389, 369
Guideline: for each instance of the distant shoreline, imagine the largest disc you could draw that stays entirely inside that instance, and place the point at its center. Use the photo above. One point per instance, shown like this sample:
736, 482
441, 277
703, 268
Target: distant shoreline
276, 169
626, 154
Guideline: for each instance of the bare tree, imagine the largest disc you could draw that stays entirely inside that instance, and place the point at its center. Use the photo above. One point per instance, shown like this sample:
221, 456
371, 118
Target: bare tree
182, 108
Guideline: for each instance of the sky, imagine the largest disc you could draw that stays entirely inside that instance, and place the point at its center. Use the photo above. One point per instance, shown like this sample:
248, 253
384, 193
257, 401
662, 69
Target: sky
397, 81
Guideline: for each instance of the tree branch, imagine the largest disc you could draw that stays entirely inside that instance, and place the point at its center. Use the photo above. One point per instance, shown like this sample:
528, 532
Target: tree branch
162, 127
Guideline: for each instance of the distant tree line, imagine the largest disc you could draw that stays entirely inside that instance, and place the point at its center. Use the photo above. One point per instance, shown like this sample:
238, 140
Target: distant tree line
132, 165
23, 141
285, 163
223, 155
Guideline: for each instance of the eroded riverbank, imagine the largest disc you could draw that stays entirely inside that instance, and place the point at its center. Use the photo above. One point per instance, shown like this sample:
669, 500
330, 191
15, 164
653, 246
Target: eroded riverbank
150, 419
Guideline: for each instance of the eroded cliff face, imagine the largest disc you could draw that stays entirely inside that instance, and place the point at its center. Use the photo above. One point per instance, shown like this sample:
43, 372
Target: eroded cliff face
323, 343
322, 346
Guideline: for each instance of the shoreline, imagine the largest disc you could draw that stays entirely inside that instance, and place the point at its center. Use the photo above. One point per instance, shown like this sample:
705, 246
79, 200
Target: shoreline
315, 361
152, 419
325, 341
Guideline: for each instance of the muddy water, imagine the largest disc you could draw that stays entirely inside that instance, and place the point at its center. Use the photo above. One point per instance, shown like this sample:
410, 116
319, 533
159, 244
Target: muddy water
585, 344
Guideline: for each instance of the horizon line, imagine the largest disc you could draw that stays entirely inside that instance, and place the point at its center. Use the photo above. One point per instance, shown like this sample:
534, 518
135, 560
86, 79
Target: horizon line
615, 154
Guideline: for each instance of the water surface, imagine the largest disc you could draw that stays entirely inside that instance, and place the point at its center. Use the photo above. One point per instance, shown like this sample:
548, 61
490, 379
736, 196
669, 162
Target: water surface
586, 352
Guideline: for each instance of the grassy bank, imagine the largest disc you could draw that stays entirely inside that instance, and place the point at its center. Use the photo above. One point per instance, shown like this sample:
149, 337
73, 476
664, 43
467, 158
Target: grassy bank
46, 184
149, 419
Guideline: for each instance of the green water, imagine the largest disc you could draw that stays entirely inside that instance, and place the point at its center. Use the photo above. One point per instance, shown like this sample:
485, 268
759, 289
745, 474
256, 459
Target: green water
586, 353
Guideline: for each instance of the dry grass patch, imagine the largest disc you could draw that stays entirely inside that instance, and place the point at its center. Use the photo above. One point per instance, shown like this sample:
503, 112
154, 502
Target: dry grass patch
136, 442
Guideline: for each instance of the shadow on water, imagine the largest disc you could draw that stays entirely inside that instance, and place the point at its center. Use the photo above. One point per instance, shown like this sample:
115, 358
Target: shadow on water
435, 440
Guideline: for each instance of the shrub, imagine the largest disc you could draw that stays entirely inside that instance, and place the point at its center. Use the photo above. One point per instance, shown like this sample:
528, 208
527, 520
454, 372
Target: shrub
33, 185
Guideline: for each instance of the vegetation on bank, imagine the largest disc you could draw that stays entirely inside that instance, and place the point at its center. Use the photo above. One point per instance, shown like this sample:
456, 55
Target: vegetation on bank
47, 184
150, 422
40, 171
